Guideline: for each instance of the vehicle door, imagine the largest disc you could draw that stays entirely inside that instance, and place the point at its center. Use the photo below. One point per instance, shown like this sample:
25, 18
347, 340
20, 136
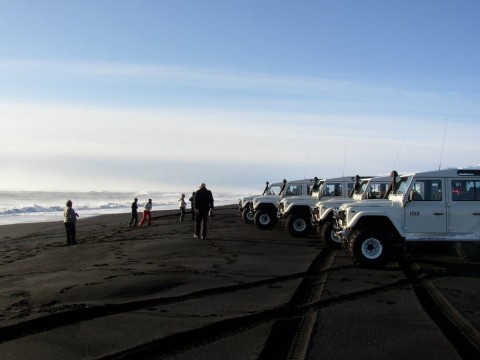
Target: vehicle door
425, 209
464, 206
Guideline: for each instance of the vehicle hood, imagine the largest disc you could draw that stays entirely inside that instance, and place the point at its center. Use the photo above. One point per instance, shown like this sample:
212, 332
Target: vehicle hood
372, 203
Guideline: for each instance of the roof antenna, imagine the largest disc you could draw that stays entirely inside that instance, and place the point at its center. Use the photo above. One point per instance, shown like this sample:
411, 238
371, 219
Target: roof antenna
344, 159
443, 144
398, 153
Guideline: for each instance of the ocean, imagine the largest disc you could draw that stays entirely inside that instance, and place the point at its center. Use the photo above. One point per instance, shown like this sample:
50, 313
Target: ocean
38, 206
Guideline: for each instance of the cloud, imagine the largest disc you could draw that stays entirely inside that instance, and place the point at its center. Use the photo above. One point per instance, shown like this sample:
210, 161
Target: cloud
355, 89
59, 145
226, 127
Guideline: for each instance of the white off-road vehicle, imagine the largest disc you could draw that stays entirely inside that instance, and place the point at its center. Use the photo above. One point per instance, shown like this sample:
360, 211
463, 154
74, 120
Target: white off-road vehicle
296, 211
244, 203
322, 214
265, 207
432, 206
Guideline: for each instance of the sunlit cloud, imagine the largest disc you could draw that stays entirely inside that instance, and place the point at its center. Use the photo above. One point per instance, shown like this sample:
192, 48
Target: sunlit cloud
253, 127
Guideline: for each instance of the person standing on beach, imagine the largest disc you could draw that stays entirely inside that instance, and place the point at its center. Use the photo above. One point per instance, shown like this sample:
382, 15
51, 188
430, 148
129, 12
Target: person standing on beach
147, 213
69, 220
192, 205
203, 203
134, 218
183, 204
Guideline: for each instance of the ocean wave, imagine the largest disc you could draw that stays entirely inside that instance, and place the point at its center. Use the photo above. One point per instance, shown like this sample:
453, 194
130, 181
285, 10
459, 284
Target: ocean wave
31, 209
110, 206
34, 206
100, 207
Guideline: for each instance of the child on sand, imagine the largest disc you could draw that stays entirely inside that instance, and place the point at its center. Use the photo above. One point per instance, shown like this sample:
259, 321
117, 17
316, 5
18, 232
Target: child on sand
69, 219
183, 204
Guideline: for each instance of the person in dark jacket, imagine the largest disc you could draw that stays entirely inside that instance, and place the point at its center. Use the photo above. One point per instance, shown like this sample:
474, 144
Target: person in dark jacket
203, 203
192, 205
134, 217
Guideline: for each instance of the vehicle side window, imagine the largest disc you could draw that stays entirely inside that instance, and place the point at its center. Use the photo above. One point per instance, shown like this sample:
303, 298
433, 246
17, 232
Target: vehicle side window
377, 191
426, 190
333, 189
465, 190
294, 190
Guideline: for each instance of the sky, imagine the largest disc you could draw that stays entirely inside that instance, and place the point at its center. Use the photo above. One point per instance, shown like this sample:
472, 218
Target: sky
152, 95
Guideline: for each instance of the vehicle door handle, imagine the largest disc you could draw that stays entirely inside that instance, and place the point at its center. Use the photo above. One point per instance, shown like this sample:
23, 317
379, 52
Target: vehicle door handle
437, 213
476, 214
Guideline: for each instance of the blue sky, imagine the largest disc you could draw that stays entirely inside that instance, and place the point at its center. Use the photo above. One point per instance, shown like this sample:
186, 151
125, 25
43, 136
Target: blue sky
163, 95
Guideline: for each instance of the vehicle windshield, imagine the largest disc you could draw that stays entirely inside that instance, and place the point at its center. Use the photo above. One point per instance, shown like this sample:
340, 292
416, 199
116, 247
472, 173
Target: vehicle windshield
274, 190
402, 185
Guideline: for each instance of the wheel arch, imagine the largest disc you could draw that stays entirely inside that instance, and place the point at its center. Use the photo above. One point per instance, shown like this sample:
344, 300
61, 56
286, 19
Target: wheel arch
380, 223
266, 206
327, 214
300, 209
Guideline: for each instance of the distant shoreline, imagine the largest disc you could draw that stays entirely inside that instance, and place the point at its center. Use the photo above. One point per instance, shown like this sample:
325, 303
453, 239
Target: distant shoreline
33, 218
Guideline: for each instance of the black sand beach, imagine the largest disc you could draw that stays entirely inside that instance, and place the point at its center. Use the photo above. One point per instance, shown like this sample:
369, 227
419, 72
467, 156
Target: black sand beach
156, 292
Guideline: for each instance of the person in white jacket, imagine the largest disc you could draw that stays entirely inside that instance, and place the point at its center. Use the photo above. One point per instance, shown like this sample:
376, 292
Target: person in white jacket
182, 204
147, 213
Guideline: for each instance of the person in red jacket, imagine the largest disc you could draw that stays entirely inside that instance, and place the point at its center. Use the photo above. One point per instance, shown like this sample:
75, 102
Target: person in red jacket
147, 213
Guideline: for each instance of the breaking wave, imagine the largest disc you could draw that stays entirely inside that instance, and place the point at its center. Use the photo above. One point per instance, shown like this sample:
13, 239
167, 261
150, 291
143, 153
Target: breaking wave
34, 206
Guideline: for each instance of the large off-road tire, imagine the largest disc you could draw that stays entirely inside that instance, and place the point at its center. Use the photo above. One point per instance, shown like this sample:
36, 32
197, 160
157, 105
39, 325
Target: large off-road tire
265, 219
247, 216
298, 225
468, 250
327, 234
370, 249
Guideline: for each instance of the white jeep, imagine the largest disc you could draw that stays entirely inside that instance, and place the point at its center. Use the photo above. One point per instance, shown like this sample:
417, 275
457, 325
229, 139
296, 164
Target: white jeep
244, 203
432, 206
296, 211
264, 208
322, 214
